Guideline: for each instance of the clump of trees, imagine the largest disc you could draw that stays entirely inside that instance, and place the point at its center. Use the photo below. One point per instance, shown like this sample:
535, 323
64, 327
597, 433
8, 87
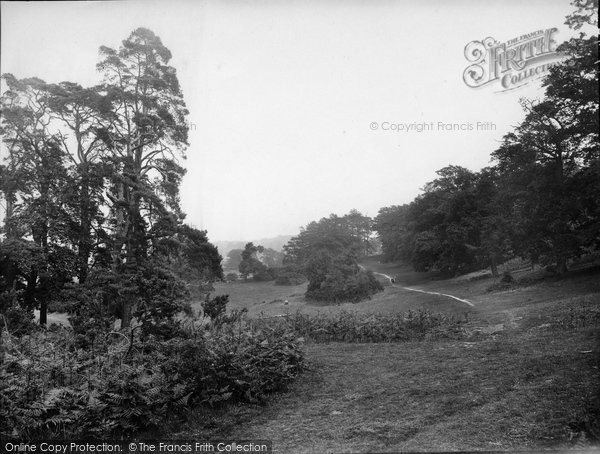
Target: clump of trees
234, 258
290, 275
259, 262
91, 185
93, 226
327, 252
541, 198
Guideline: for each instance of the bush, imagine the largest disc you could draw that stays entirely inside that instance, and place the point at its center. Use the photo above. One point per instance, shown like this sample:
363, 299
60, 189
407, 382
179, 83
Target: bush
235, 364
340, 286
290, 275
264, 274
13, 315
338, 278
50, 387
348, 326
507, 278
215, 307
231, 277
499, 287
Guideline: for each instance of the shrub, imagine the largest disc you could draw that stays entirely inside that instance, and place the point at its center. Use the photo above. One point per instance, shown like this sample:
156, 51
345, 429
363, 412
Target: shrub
290, 275
339, 285
264, 274
231, 277
13, 315
499, 287
338, 278
215, 307
348, 326
50, 388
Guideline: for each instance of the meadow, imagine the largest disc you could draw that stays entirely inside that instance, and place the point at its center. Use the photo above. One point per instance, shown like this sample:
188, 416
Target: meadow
523, 374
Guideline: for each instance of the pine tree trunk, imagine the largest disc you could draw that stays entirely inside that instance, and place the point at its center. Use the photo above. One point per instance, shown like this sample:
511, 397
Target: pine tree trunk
84, 246
29, 295
43, 310
126, 315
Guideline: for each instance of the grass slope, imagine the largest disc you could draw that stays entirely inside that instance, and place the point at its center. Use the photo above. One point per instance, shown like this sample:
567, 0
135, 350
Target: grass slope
529, 379
434, 396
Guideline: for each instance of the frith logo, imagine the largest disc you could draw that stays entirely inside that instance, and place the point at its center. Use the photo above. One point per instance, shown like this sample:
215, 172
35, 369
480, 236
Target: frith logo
514, 63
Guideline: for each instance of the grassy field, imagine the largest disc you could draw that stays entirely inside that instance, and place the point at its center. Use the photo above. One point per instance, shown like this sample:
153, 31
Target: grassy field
268, 299
529, 380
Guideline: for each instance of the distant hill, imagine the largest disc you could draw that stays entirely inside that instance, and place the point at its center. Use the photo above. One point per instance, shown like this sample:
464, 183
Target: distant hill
276, 243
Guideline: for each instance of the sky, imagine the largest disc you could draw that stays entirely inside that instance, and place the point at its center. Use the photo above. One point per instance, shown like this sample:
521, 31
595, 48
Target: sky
299, 109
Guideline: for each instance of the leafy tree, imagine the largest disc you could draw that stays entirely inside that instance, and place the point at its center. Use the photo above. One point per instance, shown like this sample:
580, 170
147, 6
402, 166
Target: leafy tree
453, 227
250, 263
193, 257
586, 13
271, 258
541, 200
361, 227
444, 219
145, 132
35, 185
332, 234
551, 161
339, 278
91, 187
328, 251
391, 224
80, 111
496, 230
234, 257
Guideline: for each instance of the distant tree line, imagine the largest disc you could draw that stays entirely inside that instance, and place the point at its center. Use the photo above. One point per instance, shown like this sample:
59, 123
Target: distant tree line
259, 261
91, 190
541, 198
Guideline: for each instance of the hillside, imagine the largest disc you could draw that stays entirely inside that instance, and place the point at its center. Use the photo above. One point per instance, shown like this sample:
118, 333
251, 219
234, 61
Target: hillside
526, 377
276, 243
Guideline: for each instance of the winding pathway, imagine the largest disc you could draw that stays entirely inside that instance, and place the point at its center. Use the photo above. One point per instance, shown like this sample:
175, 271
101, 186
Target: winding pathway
421, 291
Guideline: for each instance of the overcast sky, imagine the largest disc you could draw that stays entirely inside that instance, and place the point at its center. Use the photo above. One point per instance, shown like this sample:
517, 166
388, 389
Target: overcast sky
282, 94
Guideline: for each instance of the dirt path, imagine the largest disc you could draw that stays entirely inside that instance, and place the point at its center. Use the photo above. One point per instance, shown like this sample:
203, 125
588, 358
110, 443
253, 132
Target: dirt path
393, 284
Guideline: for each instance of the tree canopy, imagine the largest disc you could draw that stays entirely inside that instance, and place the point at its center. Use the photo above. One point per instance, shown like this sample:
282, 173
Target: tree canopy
541, 198
91, 185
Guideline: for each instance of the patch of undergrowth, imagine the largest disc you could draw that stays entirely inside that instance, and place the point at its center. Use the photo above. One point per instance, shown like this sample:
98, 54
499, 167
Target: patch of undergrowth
53, 384
350, 326
570, 314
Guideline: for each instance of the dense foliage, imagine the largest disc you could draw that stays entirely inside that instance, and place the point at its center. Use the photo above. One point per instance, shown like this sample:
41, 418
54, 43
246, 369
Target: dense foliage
540, 200
91, 185
346, 326
263, 264
93, 228
327, 252
50, 387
